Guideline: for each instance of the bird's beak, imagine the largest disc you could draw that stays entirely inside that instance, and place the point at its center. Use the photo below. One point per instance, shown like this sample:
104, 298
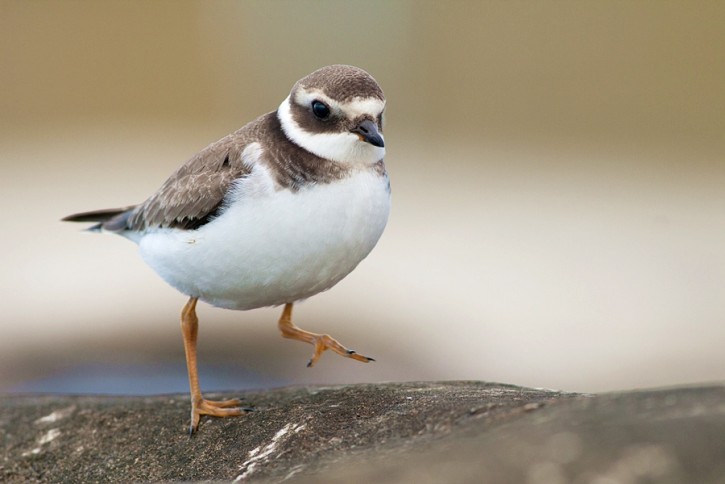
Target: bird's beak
368, 132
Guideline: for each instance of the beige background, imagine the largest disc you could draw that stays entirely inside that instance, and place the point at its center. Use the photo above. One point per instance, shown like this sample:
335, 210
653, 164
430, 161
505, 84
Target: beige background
558, 173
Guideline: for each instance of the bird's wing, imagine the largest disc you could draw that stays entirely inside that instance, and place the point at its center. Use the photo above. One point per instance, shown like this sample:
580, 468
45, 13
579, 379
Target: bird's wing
194, 192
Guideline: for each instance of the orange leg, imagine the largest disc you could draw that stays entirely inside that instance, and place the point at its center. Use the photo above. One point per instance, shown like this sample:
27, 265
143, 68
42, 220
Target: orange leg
322, 342
199, 405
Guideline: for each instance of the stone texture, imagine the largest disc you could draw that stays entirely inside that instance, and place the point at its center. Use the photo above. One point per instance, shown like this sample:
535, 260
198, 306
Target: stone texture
397, 432
666, 436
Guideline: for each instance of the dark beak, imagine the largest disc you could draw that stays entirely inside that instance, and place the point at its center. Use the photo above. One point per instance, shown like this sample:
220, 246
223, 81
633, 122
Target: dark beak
368, 132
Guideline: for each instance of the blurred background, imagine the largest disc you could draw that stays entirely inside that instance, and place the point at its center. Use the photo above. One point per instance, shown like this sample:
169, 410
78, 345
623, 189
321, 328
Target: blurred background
558, 174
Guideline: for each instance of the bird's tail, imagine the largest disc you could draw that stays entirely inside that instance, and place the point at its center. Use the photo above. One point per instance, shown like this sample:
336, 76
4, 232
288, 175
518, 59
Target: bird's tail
113, 219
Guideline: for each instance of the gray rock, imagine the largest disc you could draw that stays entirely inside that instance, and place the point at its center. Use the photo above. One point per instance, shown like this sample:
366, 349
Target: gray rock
398, 432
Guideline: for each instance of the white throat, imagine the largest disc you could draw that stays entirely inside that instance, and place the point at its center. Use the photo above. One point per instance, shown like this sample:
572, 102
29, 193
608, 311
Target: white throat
340, 147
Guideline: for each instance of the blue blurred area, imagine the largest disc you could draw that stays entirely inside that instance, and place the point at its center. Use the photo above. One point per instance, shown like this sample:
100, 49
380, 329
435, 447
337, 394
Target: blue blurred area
142, 379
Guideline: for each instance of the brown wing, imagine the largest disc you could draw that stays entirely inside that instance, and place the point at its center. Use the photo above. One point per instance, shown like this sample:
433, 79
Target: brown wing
194, 192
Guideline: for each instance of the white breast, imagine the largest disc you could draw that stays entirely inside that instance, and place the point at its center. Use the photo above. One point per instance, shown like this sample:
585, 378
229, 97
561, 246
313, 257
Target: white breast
270, 246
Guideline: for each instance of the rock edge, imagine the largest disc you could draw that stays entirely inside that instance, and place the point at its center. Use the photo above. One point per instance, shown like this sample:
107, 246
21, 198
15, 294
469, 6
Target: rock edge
394, 432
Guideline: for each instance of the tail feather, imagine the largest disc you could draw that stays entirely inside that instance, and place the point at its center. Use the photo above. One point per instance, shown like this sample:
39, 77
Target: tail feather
113, 219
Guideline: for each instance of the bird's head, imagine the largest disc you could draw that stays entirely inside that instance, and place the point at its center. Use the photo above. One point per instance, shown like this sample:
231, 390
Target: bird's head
336, 113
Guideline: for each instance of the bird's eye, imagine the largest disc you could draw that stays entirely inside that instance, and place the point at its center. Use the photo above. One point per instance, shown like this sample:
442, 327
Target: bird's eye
320, 109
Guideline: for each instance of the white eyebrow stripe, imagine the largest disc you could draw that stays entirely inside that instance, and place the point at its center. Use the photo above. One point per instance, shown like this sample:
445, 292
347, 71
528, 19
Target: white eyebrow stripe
370, 105
352, 109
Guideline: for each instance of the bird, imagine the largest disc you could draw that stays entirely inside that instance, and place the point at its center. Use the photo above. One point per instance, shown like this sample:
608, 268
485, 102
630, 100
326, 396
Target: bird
269, 215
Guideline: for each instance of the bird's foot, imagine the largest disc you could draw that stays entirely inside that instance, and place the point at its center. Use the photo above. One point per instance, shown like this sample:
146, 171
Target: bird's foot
220, 408
321, 342
324, 342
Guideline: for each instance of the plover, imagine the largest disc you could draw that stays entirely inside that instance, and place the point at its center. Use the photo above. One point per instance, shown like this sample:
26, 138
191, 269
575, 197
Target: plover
272, 214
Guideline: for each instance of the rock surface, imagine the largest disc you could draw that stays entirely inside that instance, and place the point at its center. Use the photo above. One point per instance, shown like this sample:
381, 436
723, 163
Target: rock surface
397, 432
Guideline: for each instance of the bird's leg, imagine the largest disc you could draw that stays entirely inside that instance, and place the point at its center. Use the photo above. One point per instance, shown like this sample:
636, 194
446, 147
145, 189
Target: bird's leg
199, 405
322, 342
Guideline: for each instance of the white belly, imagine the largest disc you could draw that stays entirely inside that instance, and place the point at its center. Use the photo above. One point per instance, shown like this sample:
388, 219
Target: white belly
274, 247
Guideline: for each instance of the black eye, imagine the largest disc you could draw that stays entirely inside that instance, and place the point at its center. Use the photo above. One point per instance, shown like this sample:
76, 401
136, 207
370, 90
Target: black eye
320, 109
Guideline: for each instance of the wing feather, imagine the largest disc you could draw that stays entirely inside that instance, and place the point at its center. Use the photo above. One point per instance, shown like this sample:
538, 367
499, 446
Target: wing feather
195, 191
